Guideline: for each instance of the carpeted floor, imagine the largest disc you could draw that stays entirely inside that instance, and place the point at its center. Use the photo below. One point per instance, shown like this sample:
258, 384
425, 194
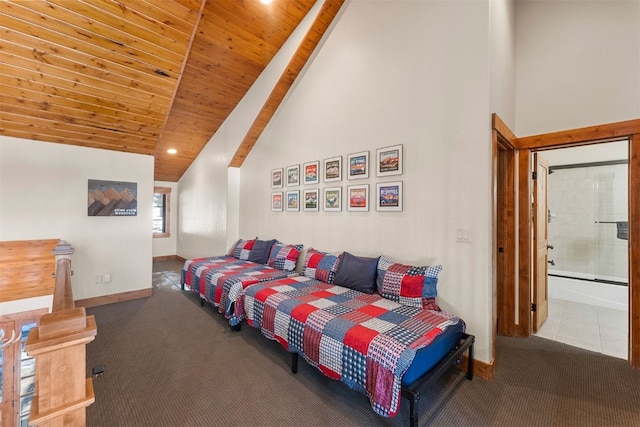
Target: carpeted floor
170, 362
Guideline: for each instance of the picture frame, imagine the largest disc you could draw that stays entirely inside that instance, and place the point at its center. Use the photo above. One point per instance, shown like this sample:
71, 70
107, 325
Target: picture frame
293, 201
358, 198
389, 196
112, 198
332, 169
389, 160
311, 200
276, 178
311, 172
293, 175
332, 199
276, 201
358, 165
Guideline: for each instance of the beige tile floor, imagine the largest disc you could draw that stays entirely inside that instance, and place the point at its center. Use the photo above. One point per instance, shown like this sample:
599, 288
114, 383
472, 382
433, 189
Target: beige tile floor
594, 328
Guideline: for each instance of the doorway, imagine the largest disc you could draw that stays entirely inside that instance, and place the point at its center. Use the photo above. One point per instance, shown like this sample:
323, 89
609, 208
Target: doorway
514, 296
587, 255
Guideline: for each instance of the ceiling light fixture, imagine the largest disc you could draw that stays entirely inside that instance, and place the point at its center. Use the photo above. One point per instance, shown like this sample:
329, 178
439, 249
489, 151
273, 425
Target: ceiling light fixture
266, 1
172, 151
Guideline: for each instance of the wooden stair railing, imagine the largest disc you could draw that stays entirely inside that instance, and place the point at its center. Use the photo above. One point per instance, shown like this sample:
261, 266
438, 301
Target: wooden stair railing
58, 345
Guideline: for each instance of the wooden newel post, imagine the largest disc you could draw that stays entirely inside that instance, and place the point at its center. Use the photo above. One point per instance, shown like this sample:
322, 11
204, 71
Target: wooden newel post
58, 345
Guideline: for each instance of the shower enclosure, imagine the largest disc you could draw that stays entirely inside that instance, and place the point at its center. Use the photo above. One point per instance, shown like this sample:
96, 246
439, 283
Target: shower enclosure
588, 208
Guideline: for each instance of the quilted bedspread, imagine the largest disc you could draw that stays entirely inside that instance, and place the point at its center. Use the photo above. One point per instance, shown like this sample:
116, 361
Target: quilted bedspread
220, 280
366, 341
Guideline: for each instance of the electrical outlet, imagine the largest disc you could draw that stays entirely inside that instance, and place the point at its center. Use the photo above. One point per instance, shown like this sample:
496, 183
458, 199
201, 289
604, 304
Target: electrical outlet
98, 370
98, 278
106, 278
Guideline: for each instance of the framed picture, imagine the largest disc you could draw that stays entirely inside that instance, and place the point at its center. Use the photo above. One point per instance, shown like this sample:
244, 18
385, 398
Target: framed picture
311, 200
333, 169
389, 160
112, 198
389, 196
293, 201
276, 201
276, 178
293, 175
358, 197
311, 172
358, 164
332, 199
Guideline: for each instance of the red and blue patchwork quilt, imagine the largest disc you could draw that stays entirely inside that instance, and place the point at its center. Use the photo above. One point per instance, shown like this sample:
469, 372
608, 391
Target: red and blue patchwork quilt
366, 341
220, 280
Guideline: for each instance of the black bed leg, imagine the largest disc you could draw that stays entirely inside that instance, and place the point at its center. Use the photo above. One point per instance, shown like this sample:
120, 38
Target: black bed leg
294, 363
470, 363
413, 410
201, 302
182, 286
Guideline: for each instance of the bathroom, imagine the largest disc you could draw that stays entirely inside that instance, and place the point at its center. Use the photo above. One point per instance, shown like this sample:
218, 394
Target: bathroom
587, 198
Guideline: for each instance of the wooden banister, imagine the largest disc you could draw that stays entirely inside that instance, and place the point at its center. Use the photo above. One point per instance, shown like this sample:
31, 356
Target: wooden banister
63, 293
58, 345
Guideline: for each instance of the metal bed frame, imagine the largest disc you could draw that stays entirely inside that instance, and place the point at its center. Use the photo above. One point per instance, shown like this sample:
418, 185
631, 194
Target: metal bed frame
412, 391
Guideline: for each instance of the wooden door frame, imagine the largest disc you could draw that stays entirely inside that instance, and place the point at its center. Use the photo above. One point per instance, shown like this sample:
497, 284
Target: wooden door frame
504, 229
583, 136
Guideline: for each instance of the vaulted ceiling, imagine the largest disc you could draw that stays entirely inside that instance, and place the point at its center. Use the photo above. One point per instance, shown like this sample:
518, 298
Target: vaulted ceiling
143, 76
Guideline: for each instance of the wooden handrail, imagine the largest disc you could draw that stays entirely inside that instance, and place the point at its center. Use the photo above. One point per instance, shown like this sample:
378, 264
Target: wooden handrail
62, 391
63, 293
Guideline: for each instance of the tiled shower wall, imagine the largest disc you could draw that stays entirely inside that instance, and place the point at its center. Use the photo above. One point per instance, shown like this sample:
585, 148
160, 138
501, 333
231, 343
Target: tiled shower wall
579, 199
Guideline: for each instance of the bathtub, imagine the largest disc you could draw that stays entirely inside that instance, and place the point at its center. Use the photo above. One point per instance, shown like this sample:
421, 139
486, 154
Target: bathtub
588, 291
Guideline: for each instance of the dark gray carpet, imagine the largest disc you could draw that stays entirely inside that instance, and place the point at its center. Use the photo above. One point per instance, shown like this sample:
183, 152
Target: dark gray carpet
170, 362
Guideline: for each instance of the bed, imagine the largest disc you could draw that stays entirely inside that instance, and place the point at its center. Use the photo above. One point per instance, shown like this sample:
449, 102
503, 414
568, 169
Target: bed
379, 346
219, 280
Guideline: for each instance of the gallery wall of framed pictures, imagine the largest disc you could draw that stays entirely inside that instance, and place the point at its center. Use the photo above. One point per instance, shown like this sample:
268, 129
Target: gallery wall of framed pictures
387, 196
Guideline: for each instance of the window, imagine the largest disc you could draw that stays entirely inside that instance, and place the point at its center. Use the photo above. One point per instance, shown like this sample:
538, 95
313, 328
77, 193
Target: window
161, 211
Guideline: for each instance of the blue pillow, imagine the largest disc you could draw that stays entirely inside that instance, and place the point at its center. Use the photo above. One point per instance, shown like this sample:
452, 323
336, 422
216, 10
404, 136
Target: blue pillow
260, 251
357, 273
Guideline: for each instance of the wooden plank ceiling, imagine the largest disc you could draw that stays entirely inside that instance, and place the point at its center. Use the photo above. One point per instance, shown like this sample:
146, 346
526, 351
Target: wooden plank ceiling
138, 76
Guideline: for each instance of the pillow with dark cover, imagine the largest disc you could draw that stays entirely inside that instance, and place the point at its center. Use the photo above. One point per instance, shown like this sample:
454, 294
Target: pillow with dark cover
260, 251
415, 286
357, 273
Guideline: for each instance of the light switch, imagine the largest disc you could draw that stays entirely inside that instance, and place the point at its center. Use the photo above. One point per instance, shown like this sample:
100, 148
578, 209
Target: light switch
463, 235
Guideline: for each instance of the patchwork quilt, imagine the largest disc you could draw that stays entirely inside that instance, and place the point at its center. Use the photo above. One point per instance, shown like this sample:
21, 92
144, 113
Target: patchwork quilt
366, 341
220, 280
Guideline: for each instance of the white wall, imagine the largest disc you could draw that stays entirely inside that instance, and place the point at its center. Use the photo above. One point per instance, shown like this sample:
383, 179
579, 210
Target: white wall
43, 195
577, 64
164, 246
411, 73
503, 57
